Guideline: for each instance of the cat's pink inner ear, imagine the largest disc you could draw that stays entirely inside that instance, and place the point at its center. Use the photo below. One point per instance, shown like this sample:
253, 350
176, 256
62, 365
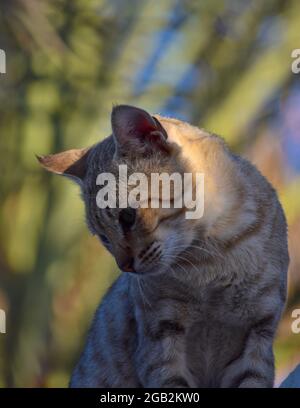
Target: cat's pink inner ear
72, 163
130, 124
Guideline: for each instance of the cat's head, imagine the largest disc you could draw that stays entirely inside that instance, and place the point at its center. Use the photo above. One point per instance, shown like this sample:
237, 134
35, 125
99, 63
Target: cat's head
142, 240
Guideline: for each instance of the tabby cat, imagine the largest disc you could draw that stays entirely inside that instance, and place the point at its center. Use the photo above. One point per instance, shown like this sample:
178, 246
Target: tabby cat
198, 301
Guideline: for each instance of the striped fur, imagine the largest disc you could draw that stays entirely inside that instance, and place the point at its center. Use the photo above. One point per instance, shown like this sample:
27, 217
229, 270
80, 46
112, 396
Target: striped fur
204, 307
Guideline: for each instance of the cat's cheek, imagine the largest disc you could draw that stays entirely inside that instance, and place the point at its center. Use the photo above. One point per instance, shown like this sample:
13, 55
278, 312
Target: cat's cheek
162, 233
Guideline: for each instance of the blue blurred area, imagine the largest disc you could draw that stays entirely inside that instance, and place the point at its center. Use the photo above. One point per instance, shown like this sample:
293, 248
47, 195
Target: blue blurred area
293, 380
162, 39
290, 127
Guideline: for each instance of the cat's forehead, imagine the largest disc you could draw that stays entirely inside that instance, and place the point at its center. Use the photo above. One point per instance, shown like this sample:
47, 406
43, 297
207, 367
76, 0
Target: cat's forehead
143, 165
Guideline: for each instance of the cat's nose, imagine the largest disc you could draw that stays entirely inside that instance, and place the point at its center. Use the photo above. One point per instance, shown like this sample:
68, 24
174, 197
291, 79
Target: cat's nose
128, 265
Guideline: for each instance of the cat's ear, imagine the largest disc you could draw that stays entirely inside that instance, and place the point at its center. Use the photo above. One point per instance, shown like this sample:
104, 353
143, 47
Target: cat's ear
71, 163
136, 131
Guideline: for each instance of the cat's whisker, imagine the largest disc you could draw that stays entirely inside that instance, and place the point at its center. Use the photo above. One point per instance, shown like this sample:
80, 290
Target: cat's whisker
184, 248
190, 247
143, 296
169, 265
183, 259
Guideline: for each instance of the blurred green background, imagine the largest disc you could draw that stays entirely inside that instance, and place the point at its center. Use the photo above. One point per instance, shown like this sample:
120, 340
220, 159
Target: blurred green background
222, 65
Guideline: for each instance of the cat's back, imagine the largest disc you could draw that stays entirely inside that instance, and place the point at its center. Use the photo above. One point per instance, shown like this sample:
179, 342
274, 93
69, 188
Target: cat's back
270, 215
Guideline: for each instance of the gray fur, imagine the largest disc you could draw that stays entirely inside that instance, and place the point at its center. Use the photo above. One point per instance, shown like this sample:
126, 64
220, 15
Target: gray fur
202, 316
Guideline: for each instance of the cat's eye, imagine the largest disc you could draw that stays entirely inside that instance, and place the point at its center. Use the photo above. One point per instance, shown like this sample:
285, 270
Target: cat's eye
104, 239
127, 217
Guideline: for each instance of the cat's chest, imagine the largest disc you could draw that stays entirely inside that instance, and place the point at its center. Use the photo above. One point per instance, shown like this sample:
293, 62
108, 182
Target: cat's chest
214, 305
209, 345
211, 306
222, 304
212, 331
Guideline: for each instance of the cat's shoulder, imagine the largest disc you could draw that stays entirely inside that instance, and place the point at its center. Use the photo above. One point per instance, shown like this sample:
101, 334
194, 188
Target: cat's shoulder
118, 290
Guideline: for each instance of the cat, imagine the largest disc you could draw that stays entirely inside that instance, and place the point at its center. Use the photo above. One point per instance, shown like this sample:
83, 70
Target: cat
198, 301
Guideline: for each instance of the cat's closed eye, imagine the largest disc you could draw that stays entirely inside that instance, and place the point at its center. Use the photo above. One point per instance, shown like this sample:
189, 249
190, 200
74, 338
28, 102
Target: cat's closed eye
104, 239
127, 217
